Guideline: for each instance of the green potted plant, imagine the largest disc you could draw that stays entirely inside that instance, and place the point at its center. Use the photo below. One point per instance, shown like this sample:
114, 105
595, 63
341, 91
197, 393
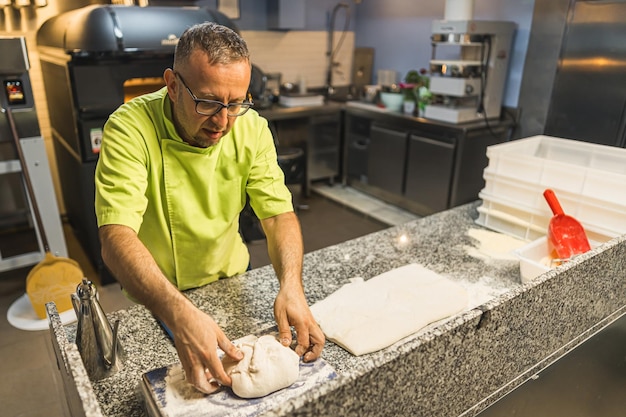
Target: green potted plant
415, 91
425, 96
410, 98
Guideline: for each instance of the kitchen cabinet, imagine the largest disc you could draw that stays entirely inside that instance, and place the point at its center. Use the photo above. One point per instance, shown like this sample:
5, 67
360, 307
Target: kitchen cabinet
317, 131
386, 159
420, 165
286, 14
430, 163
357, 142
324, 147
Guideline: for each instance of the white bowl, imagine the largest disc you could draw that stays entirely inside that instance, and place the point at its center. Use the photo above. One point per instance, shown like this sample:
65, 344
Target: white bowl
392, 101
535, 258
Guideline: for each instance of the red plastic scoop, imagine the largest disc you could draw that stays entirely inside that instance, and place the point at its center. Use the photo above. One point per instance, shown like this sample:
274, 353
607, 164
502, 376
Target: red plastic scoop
565, 232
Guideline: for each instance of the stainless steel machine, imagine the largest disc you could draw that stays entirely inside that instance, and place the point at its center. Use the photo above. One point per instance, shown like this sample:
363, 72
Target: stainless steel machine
468, 69
21, 243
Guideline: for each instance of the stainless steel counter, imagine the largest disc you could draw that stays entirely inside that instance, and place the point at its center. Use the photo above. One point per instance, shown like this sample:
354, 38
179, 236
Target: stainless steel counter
380, 113
277, 112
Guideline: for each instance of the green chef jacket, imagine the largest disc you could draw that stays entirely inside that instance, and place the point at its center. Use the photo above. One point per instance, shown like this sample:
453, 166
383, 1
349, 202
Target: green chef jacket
183, 201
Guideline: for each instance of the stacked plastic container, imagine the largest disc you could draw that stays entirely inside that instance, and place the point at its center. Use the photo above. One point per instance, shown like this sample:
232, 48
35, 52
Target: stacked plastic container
588, 179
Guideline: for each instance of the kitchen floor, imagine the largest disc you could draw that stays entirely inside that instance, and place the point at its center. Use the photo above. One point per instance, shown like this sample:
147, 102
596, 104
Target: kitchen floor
29, 385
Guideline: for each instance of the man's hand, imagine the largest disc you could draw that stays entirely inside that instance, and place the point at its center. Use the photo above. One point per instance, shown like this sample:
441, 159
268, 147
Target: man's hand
284, 245
196, 334
291, 309
197, 337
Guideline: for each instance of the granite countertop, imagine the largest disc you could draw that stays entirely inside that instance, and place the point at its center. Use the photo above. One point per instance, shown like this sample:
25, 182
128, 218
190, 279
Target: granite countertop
451, 368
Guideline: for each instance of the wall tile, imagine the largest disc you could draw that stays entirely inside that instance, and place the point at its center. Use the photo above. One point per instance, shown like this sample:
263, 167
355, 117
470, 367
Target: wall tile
298, 54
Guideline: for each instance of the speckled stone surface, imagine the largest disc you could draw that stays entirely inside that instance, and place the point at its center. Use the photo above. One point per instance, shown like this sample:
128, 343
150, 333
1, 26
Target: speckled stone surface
451, 368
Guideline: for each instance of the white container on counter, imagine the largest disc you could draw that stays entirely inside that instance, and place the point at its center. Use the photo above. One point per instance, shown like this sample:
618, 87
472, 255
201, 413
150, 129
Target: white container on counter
392, 101
535, 258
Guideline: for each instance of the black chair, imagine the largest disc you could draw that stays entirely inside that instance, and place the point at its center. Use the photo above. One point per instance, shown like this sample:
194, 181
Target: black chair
249, 225
293, 163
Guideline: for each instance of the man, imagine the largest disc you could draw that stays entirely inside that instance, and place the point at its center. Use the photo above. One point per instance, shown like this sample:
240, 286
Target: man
173, 174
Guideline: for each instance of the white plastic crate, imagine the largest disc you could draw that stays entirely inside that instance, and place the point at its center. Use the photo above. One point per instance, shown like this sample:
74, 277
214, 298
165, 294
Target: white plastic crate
503, 217
583, 168
516, 219
588, 179
526, 197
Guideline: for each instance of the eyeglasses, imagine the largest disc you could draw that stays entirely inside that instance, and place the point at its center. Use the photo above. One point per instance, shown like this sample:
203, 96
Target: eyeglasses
213, 107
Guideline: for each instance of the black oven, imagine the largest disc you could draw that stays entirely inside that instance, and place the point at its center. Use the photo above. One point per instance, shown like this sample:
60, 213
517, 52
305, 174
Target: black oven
94, 59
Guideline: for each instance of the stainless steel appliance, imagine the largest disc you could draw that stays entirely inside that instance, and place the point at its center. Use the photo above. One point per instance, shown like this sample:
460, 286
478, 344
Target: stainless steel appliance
19, 127
589, 95
94, 59
468, 69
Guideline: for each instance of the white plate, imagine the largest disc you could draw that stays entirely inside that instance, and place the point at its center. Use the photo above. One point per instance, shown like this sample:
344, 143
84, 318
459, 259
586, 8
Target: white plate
22, 315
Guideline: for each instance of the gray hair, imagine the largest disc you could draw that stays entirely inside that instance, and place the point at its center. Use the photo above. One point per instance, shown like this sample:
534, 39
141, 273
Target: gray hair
221, 44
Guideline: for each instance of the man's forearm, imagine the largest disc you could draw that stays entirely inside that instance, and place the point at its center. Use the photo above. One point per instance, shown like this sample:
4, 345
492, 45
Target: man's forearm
284, 240
138, 273
284, 245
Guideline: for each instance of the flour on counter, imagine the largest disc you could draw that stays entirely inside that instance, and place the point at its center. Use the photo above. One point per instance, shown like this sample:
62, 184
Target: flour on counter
493, 245
486, 289
179, 393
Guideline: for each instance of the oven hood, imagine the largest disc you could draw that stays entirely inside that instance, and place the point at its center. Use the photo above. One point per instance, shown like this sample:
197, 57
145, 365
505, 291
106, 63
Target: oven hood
114, 29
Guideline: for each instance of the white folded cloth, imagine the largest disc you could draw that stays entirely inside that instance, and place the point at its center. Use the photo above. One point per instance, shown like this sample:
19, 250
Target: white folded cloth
366, 316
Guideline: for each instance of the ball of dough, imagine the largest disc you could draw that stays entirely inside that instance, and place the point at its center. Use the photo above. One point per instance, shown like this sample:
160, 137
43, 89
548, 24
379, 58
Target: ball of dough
267, 366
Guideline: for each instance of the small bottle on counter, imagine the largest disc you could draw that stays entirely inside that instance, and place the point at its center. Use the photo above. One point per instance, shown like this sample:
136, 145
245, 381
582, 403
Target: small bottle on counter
302, 88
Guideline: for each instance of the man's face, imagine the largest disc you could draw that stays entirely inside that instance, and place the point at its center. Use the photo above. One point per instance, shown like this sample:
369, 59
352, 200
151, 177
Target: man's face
224, 83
